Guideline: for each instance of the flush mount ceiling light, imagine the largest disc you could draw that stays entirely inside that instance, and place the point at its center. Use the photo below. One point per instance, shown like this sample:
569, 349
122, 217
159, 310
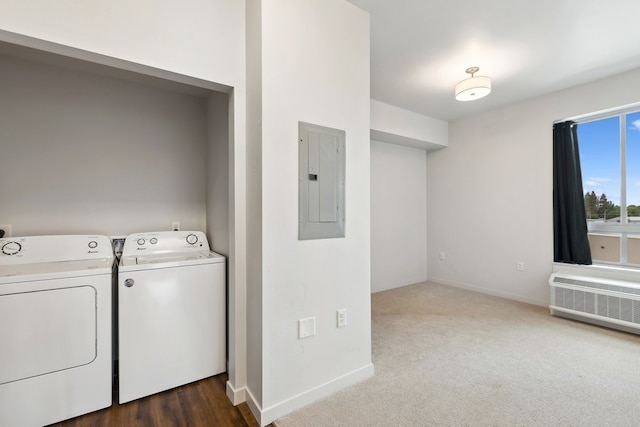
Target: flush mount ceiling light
474, 87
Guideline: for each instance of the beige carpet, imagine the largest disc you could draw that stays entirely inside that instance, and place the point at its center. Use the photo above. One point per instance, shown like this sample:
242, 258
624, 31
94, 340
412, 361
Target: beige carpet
450, 357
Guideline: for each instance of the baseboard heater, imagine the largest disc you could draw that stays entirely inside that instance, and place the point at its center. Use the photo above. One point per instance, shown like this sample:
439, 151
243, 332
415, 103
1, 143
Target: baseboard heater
604, 302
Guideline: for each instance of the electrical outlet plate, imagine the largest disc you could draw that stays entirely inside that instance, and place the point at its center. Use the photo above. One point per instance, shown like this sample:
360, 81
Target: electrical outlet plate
7, 229
520, 266
306, 327
341, 317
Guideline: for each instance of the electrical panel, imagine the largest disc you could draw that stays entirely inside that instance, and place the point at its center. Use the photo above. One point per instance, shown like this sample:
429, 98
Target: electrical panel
321, 182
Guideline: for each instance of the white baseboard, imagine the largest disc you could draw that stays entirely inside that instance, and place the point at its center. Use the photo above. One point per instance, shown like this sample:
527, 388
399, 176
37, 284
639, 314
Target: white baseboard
236, 396
492, 292
270, 414
255, 408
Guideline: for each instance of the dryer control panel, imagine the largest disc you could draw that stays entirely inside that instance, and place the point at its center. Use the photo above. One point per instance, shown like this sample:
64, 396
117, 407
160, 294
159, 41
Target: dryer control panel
41, 249
11, 247
164, 242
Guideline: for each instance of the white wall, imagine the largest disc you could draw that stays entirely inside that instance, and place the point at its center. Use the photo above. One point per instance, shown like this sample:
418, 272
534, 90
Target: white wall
201, 38
254, 206
89, 154
399, 126
204, 39
398, 216
315, 68
490, 191
217, 170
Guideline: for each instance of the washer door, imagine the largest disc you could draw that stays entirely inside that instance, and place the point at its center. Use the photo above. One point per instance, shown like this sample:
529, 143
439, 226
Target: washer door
46, 331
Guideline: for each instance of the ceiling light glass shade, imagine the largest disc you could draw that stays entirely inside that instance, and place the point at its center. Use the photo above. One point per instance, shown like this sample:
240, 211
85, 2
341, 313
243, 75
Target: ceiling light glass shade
473, 88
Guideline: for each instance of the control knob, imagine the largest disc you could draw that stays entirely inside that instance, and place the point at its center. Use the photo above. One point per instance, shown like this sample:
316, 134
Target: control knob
192, 239
11, 248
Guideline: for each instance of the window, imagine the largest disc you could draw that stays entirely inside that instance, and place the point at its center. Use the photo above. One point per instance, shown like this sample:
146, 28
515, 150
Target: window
610, 162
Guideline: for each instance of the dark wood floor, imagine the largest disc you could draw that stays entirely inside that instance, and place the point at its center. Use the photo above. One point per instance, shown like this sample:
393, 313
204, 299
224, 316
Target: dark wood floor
203, 403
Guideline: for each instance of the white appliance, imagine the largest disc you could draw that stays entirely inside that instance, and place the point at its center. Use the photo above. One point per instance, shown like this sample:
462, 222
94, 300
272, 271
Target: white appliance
55, 328
598, 300
171, 312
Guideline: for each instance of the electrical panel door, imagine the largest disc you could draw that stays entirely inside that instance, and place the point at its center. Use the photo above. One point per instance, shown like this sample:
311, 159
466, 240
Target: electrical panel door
321, 182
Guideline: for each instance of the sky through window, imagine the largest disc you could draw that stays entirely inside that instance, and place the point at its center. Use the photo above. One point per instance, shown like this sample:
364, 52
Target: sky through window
599, 142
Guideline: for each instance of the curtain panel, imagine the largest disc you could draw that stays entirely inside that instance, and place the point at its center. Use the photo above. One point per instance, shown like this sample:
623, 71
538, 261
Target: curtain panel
570, 236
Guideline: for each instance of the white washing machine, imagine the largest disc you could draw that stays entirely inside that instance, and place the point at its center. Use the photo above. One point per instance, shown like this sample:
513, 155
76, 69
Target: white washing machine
55, 328
171, 312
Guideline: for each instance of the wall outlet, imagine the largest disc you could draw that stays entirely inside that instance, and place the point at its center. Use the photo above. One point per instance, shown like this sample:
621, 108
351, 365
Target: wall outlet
175, 225
442, 256
306, 327
7, 229
341, 318
520, 265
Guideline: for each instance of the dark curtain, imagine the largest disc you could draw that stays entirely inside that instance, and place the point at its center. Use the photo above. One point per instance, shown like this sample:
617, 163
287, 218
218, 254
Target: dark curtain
570, 239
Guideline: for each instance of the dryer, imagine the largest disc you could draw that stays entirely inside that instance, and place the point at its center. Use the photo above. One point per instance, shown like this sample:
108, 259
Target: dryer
55, 328
171, 312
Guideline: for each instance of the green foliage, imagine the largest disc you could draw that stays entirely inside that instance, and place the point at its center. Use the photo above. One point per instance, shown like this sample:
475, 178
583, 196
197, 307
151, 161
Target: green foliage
591, 205
599, 207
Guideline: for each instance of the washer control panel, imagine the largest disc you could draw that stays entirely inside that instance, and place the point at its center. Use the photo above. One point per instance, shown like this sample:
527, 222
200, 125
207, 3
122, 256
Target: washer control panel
163, 242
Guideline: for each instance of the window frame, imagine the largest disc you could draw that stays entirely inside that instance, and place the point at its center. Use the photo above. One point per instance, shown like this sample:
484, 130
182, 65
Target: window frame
623, 228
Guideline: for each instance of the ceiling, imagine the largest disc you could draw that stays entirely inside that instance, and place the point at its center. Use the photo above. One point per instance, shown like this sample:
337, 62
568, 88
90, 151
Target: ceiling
421, 48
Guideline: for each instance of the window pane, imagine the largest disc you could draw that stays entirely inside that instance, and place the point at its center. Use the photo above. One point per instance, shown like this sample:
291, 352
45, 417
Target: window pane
605, 247
599, 144
633, 249
633, 167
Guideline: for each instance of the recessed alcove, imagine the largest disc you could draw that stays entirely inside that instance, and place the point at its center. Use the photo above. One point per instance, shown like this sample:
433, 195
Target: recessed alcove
95, 144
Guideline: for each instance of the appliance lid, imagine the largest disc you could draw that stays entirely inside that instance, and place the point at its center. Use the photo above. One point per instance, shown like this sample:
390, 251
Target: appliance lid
170, 259
37, 271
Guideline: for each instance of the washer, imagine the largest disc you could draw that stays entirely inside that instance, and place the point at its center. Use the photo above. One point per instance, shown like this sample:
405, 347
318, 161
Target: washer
171, 312
55, 328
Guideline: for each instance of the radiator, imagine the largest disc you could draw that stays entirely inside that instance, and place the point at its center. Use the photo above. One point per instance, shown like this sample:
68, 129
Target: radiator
605, 302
